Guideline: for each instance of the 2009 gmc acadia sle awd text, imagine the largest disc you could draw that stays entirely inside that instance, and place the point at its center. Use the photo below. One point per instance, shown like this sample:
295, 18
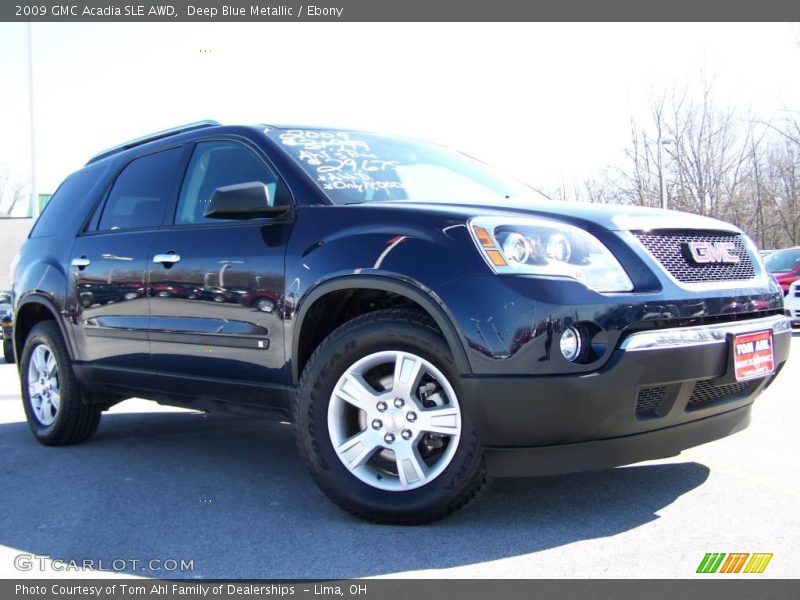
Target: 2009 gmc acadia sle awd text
423, 320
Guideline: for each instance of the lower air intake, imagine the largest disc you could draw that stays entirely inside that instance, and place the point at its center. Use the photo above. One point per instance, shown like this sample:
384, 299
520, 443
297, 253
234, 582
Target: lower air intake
648, 401
706, 393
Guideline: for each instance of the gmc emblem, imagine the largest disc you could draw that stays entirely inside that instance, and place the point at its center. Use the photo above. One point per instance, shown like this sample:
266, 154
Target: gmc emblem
704, 253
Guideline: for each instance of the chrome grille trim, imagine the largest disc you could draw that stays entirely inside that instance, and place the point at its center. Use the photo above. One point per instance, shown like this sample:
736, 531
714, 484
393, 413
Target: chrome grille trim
683, 337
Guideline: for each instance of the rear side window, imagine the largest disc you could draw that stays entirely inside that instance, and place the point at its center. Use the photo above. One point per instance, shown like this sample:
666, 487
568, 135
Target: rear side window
214, 165
72, 200
140, 192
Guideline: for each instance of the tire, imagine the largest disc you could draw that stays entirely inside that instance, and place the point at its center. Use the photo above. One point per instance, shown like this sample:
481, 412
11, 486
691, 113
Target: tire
8, 351
70, 420
436, 481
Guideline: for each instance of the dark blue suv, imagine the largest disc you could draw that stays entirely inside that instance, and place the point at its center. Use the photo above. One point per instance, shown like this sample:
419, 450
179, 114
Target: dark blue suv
422, 319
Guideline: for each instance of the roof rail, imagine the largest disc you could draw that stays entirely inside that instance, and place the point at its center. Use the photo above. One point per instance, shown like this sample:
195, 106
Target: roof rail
153, 137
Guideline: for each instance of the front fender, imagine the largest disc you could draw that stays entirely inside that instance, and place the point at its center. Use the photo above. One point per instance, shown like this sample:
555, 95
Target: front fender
338, 247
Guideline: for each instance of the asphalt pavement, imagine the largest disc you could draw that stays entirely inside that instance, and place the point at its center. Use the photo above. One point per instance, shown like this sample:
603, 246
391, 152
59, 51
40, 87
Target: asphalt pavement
230, 496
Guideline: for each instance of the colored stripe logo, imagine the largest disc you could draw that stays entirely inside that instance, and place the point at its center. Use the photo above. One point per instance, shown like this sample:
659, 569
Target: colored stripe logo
735, 562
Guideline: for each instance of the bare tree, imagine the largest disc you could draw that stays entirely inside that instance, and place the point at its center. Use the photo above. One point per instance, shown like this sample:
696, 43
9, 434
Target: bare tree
781, 185
706, 160
10, 192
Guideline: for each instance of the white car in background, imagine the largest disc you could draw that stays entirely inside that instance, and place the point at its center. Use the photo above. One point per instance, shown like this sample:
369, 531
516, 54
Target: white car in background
791, 303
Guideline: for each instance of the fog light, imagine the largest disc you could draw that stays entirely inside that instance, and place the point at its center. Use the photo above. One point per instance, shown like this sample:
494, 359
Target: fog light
571, 343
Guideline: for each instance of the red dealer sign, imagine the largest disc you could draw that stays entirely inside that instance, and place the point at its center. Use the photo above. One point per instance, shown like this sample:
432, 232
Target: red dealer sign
752, 355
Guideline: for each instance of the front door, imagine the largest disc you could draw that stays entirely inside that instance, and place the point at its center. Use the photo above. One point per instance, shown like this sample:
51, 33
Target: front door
216, 286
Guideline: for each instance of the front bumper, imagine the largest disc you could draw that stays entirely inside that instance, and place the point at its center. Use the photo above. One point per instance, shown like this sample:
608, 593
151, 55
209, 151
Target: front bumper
657, 395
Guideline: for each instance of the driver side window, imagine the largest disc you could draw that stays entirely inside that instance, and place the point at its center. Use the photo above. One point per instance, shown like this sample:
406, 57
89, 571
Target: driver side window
214, 165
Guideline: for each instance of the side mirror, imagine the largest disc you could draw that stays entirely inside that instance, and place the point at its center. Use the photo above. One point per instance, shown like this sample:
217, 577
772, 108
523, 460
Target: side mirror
243, 201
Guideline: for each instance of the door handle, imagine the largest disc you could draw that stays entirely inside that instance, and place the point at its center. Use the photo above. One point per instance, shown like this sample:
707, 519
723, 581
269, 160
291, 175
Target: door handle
167, 259
81, 262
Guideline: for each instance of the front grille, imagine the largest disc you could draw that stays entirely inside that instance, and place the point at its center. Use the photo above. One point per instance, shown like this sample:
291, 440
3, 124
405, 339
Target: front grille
706, 393
669, 249
648, 400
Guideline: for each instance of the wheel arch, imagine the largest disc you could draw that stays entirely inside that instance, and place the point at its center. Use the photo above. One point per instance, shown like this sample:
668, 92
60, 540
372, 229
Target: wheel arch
33, 309
425, 300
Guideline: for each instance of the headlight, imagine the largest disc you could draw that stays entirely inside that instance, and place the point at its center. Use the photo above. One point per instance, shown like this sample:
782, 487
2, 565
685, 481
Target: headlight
533, 246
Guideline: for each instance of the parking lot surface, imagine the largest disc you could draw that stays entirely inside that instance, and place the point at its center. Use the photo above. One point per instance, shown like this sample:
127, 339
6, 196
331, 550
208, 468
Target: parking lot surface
231, 495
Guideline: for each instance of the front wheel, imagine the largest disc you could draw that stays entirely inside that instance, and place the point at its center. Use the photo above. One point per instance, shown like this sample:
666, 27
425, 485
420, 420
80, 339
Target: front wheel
380, 424
54, 404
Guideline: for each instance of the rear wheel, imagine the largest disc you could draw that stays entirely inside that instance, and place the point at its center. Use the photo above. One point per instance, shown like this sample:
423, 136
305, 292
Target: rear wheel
53, 401
380, 424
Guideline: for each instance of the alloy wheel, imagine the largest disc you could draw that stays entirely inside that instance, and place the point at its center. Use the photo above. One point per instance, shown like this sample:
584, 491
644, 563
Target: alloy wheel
43, 385
394, 420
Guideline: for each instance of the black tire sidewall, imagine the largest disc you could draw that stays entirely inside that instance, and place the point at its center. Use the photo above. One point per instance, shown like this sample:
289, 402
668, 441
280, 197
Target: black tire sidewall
326, 466
8, 351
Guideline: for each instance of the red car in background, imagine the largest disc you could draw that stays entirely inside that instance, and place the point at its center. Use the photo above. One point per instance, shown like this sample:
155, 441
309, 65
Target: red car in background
785, 266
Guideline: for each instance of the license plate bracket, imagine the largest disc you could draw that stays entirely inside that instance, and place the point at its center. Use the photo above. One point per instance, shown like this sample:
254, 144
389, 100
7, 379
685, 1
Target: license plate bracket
753, 355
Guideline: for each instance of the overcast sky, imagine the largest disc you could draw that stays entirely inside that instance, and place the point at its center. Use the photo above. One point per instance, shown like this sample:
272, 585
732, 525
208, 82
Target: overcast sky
545, 102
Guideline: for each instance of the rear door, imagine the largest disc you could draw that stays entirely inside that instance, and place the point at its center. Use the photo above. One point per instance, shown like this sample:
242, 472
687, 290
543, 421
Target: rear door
108, 288
216, 286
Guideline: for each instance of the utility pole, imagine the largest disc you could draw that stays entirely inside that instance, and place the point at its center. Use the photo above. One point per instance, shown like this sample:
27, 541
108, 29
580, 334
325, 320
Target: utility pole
759, 208
661, 182
34, 194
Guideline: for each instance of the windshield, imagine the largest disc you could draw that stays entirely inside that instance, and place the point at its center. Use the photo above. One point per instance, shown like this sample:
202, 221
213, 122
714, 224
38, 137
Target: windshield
362, 167
782, 261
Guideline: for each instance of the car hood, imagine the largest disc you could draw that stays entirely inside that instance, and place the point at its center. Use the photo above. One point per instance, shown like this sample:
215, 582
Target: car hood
592, 217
